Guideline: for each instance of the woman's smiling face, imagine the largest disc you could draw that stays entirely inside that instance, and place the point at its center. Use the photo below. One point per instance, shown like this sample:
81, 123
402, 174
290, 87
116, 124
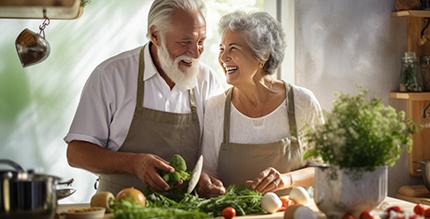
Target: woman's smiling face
236, 57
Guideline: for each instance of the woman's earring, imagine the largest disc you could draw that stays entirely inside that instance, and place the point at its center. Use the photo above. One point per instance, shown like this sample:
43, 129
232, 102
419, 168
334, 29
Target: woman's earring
261, 64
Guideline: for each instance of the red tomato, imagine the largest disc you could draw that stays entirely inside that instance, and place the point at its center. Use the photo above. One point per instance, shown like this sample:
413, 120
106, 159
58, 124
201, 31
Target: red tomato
419, 209
366, 215
347, 216
427, 213
228, 212
394, 208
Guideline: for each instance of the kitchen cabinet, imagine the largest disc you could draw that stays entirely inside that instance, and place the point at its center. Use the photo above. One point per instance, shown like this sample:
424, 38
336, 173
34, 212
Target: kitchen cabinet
37, 9
416, 102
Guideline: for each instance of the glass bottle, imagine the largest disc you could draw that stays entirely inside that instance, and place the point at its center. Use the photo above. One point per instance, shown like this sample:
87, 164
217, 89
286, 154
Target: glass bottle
410, 76
425, 72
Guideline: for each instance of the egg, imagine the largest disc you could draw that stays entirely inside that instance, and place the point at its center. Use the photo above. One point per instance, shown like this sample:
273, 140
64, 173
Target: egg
270, 202
299, 195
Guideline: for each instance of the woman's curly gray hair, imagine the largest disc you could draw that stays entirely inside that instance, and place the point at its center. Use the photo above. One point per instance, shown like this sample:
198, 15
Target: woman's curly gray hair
265, 35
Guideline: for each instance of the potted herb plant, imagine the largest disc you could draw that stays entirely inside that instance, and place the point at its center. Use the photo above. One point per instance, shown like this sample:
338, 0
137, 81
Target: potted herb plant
358, 141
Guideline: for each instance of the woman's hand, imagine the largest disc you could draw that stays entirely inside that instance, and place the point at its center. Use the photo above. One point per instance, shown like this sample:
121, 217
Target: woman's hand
209, 186
269, 180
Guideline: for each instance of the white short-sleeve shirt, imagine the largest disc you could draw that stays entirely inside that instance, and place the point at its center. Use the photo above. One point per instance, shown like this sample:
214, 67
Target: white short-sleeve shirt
108, 100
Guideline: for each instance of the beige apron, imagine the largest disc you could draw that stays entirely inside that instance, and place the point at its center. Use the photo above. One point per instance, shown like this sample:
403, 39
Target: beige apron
240, 162
156, 132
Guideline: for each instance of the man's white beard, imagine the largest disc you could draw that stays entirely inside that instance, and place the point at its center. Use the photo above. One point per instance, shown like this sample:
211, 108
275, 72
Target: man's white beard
183, 78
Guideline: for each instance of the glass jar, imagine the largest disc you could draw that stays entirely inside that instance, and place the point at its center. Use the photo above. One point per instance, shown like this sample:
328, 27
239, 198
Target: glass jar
425, 72
410, 76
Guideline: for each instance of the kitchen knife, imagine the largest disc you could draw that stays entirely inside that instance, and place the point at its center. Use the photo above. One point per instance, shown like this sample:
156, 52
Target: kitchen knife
195, 175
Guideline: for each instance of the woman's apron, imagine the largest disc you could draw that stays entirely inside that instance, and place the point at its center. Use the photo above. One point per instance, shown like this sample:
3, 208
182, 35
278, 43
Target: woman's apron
156, 132
240, 162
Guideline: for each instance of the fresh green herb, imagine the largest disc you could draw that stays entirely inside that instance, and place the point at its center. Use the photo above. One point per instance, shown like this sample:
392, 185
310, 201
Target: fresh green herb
244, 200
360, 134
128, 209
409, 80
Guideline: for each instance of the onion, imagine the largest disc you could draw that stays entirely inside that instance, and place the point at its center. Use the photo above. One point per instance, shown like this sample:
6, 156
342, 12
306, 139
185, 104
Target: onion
299, 195
271, 202
299, 212
101, 199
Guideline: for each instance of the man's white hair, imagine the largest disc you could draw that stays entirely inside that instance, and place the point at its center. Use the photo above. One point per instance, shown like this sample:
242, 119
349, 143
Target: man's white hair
162, 10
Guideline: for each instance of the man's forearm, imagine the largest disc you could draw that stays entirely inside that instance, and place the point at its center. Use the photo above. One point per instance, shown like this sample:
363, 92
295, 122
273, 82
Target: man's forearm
91, 157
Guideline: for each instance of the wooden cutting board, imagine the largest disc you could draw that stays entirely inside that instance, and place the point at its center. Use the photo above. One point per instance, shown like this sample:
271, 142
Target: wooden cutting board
416, 193
277, 215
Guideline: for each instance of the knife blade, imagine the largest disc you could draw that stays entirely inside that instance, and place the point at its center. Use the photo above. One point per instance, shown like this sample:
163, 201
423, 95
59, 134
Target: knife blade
195, 175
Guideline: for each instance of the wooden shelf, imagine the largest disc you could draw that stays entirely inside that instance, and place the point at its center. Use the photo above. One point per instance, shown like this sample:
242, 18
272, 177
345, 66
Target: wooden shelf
410, 95
415, 23
416, 102
33, 9
412, 13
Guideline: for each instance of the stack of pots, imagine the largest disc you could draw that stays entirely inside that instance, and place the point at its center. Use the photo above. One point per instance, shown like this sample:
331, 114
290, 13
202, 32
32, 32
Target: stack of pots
25, 194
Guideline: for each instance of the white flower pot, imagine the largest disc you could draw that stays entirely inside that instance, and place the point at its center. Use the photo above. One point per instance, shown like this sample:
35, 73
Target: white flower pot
338, 191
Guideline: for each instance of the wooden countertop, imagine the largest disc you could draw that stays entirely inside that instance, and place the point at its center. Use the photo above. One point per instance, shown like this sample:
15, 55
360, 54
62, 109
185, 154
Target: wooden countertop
389, 201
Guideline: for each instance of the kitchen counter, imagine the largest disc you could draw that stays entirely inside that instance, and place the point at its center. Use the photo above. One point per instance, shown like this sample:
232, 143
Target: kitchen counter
389, 201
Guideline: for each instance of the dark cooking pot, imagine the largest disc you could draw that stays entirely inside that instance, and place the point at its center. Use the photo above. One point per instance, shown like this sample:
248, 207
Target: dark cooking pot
25, 194
425, 171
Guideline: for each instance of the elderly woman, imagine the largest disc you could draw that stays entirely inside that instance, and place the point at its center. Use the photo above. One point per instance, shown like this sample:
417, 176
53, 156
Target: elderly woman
252, 131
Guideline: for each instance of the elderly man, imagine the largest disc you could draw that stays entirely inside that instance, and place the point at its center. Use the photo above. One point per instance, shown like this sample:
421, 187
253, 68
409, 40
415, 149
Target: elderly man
141, 107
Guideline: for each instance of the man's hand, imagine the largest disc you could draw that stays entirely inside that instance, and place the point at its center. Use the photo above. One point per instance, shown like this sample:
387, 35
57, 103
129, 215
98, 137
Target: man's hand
209, 186
146, 167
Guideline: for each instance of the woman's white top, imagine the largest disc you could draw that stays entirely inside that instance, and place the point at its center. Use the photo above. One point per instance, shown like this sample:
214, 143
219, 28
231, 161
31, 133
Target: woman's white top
246, 130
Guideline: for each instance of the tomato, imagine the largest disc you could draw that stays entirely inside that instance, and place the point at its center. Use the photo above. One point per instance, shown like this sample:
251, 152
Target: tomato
419, 209
228, 212
394, 208
135, 194
347, 216
366, 215
427, 213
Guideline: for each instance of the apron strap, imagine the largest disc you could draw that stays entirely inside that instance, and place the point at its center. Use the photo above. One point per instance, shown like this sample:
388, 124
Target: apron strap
291, 110
227, 110
193, 104
140, 84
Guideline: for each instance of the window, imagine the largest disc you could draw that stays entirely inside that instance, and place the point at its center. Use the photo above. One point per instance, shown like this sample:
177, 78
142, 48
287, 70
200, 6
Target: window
37, 103
215, 10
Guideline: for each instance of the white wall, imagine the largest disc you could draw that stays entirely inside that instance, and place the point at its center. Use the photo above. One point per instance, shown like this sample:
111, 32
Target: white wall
341, 42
